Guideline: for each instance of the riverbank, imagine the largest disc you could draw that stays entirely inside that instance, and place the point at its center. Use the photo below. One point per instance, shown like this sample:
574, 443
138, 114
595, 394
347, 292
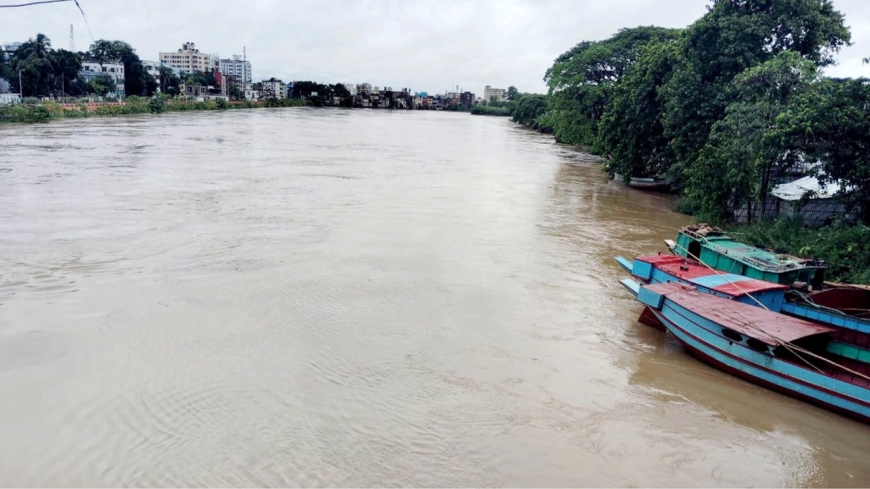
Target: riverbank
47, 111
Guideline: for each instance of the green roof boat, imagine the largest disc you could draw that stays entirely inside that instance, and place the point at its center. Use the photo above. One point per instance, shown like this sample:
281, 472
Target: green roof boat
715, 248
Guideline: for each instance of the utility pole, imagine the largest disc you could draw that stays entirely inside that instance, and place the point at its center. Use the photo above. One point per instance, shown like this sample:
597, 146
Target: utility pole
20, 86
72, 39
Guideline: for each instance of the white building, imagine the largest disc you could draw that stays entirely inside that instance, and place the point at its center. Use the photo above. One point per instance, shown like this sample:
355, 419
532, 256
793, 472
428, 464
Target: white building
236, 67
9, 98
188, 59
115, 69
500, 94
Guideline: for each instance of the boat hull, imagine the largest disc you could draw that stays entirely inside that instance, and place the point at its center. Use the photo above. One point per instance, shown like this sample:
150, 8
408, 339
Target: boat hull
784, 377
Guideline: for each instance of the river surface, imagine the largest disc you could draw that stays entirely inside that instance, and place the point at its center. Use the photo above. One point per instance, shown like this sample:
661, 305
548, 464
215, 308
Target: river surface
311, 297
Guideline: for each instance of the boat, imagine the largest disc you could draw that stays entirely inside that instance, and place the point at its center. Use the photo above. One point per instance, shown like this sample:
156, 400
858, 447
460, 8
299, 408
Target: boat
850, 329
649, 184
643, 183
714, 247
811, 296
783, 353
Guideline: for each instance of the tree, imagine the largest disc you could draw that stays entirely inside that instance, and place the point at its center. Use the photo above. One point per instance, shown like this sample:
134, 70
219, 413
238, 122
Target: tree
66, 67
102, 85
137, 81
733, 36
631, 134
745, 151
170, 83
831, 124
33, 61
512, 93
581, 80
529, 110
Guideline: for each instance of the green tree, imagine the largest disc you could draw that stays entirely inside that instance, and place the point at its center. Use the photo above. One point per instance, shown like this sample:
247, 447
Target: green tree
631, 134
170, 83
831, 124
66, 66
530, 110
745, 151
33, 63
512, 93
581, 80
102, 85
137, 81
733, 36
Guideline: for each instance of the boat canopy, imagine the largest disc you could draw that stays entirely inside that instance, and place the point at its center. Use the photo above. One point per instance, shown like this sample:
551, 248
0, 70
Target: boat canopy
754, 322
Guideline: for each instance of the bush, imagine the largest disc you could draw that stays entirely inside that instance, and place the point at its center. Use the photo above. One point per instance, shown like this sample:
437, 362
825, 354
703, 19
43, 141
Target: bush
222, 104
157, 105
846, 248
489, 110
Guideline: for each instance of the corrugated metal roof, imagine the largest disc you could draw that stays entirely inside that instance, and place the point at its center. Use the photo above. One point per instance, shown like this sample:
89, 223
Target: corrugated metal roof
797, 189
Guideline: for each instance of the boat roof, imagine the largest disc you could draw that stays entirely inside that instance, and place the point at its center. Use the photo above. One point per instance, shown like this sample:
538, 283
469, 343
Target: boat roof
703, 276
751, 255
755, 322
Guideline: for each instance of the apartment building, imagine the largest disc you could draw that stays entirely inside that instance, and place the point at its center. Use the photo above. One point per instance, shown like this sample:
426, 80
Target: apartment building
236, 67
500, 94
188, 59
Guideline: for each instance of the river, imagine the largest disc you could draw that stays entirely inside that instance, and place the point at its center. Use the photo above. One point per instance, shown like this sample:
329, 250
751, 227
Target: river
324, 297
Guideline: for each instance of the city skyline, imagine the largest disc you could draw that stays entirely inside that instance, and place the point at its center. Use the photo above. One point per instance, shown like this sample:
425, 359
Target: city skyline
420, 45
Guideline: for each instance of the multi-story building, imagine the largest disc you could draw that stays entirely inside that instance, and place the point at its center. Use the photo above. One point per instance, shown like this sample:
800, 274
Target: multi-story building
188, 59
466, 99
273, 88
237, 67
153, 69
115, 69
500, 94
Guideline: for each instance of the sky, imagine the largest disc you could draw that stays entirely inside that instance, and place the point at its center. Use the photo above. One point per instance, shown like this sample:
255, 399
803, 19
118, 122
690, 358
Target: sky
423, 45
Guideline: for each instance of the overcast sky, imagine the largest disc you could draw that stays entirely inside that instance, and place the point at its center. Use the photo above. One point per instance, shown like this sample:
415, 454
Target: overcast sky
424, 45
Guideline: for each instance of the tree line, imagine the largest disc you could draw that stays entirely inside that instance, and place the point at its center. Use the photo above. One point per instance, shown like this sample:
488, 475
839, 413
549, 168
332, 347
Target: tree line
36, 69
722, 108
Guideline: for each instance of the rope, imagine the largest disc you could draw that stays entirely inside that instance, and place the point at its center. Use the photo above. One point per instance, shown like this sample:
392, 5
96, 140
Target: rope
788, 345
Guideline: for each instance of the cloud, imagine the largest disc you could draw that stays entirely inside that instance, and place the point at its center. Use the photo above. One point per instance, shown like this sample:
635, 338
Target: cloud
423, 45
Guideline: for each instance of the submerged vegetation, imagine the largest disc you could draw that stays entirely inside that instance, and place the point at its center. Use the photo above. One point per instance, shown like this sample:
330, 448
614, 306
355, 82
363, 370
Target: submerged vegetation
491, 110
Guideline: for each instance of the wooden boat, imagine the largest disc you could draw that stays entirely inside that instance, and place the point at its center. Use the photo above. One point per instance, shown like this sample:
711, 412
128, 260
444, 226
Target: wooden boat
717, 249
783, 353
850, 330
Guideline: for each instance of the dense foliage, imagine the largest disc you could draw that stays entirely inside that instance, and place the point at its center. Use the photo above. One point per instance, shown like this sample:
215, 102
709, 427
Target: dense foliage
43, 70
845, 248
491, 110
137, 81
582, 80
724, 109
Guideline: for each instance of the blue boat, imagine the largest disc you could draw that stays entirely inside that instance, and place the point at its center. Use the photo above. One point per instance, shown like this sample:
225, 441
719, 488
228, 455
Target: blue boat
851, 331
783, 353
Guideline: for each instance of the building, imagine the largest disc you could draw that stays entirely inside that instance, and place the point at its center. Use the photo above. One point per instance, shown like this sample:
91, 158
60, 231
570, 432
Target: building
188, 59
466, 100
500, 94
9, 49
92, 69
253, 91
273, 88
236, 67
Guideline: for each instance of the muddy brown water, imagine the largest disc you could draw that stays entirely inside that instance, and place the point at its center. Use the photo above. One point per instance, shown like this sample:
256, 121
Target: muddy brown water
355, 298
